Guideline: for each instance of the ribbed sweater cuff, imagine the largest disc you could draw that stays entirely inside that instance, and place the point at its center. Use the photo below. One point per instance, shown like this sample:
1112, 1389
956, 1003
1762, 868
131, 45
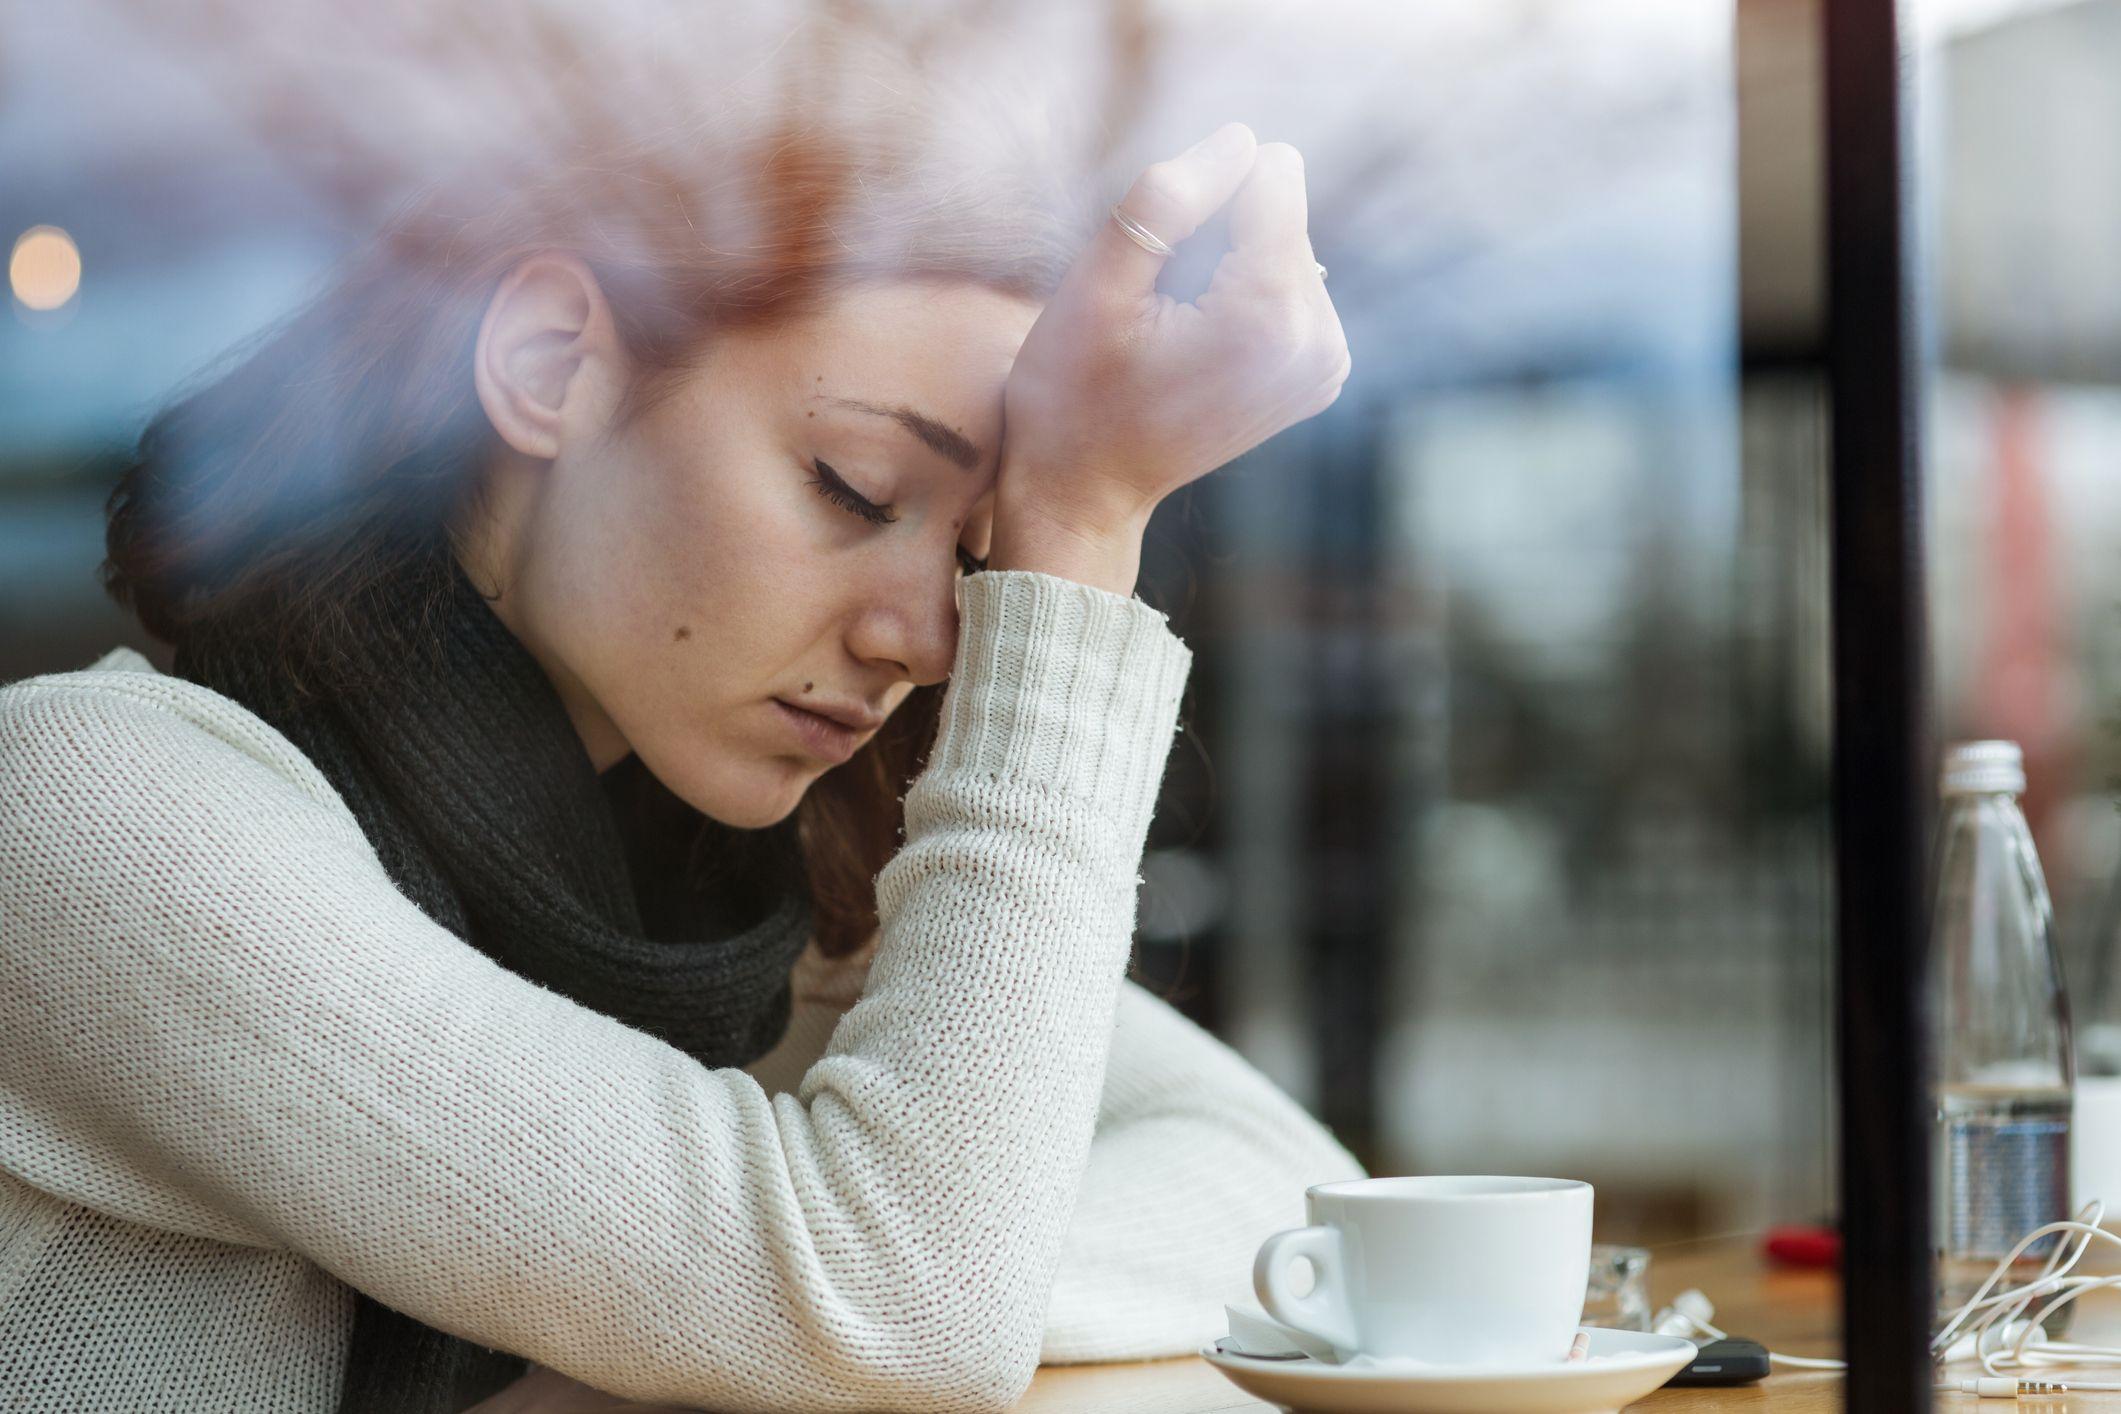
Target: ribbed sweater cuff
1065, 685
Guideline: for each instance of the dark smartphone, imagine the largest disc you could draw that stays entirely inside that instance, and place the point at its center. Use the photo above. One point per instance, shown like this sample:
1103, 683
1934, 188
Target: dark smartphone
1725, 1362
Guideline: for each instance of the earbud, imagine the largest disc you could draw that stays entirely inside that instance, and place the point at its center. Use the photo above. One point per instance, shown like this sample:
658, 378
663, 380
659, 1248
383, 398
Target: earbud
1689, 1312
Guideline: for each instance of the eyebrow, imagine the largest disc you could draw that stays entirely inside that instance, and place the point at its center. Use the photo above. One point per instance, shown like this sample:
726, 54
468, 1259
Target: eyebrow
937, 436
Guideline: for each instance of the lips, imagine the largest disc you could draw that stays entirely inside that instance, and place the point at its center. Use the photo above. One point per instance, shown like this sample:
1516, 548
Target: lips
826, 737
850, 715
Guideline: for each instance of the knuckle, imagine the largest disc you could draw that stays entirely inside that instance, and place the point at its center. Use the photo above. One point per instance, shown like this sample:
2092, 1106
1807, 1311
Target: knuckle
1160, 187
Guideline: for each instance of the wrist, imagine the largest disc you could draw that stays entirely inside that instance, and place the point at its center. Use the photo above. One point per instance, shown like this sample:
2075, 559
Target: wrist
1108, 557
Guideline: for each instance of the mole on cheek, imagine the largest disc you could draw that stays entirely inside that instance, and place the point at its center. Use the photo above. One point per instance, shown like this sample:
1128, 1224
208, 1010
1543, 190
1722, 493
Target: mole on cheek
807, 687
682, 634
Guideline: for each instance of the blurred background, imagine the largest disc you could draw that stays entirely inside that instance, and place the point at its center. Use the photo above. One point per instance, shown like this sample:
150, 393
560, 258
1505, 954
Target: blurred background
1498, 832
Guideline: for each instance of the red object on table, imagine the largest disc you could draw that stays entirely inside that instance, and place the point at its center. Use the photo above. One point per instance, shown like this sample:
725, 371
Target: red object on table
1795, 1245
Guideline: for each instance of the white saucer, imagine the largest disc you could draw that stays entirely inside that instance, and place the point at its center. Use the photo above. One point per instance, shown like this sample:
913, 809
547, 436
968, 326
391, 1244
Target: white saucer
1622, 1366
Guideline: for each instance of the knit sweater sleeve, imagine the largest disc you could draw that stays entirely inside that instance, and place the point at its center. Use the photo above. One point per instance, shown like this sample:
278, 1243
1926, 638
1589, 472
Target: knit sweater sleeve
223, 1019
1197, 1159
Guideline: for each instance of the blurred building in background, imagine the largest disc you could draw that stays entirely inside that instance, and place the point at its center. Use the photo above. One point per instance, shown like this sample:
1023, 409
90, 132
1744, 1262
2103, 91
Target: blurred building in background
2023, 171
1498, 832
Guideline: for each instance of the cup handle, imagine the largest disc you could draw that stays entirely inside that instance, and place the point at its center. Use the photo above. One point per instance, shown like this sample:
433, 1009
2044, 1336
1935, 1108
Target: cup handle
1321, 1312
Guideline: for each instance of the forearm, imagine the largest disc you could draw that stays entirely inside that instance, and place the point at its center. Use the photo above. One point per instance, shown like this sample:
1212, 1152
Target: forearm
1198, 1159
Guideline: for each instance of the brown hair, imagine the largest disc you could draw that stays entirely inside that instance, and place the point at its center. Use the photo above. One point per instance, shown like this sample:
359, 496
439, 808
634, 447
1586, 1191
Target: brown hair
329, 453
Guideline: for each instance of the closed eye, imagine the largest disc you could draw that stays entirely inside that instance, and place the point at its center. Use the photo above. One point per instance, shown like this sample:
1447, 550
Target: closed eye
832, 488
830, 485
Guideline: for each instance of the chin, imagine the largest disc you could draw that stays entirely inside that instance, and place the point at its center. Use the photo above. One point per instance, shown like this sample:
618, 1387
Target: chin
757, 800
757, 817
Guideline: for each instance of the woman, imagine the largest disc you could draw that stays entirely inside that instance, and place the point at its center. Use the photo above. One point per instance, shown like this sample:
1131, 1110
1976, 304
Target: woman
572, 609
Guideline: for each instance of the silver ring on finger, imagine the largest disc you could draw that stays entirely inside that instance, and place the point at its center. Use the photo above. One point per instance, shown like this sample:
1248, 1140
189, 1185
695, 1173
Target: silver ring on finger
1139, 234
1148, 240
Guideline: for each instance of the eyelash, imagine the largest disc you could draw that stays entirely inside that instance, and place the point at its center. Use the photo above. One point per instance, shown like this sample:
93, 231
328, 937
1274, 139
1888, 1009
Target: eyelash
832, 488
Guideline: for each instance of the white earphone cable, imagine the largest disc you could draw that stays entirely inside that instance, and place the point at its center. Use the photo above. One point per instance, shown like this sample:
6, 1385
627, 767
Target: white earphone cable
2004, 1338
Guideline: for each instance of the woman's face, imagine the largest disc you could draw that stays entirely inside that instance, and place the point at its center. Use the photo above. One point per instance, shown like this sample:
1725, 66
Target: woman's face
693, 581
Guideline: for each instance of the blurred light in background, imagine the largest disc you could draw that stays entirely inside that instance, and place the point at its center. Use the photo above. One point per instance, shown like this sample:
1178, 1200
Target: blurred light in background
45, 269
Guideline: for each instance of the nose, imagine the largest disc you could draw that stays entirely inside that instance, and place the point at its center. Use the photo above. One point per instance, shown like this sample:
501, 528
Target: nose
908, 623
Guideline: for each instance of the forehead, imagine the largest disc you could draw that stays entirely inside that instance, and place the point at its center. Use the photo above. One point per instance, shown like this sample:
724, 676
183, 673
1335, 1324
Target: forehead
943, 350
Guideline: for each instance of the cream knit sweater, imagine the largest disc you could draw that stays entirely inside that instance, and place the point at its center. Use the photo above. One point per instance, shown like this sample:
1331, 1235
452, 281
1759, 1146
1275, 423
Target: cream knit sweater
241, 1073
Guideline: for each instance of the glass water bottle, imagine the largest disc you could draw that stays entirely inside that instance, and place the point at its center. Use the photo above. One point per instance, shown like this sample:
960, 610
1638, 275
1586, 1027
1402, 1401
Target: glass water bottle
2000, 1032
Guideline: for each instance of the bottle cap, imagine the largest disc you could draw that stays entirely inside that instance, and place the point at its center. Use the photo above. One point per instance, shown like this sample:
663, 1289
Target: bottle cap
1982, 768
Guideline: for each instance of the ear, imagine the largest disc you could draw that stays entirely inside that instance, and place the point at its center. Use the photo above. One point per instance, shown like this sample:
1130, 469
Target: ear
547, 356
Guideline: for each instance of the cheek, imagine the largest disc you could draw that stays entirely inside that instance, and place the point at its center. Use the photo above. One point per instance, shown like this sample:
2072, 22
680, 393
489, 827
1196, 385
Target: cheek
689, 581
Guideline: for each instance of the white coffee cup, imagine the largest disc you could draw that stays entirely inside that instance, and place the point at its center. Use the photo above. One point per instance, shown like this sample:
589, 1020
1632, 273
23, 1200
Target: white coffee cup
1446, 1269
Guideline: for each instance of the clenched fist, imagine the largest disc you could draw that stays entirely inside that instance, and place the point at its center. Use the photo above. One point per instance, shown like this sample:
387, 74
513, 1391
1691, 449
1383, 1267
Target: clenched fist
1120, 395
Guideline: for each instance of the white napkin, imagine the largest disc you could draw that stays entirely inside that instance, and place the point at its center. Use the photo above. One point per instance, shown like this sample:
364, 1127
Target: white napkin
1254, 1332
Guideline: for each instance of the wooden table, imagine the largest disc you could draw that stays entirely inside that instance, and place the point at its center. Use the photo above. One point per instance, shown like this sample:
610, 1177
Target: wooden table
1794, 1312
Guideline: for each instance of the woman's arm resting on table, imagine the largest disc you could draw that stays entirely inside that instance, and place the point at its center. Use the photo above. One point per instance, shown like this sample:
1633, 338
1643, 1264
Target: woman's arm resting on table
222, 1018
1197, 1159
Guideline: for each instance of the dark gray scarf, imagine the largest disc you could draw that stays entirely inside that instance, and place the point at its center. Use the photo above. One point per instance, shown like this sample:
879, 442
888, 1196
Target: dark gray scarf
477, 793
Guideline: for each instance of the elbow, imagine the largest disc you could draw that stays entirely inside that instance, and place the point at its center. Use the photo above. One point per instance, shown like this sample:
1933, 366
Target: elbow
955, 1385
1001, 1389
989, 1366
997, 1372
977, 1360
